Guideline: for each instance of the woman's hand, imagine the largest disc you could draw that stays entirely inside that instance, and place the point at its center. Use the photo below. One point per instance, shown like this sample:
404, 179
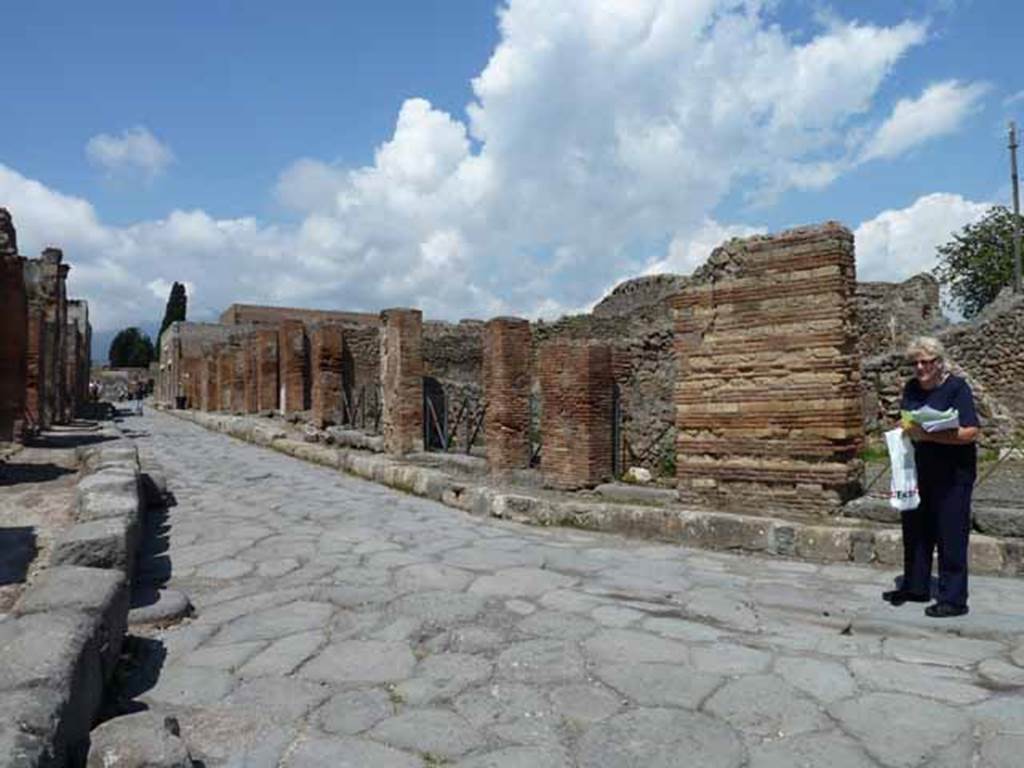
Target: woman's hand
916, 433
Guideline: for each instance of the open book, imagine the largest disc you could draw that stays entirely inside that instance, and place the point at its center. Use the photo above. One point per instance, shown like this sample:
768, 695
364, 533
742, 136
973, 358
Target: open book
932, 420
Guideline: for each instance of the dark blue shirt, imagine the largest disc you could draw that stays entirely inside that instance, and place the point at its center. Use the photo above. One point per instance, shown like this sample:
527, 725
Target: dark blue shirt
939, 464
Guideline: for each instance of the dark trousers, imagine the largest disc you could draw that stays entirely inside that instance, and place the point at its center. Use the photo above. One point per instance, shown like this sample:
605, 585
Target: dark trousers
943, 522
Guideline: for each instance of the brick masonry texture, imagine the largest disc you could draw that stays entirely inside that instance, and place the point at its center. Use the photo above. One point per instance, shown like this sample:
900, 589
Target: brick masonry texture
768, 399
266, 370
294, 366
225, 373
239, 369
251, 373
326, 347
242, 314
401, 370
13, 334
576, 386
507, 363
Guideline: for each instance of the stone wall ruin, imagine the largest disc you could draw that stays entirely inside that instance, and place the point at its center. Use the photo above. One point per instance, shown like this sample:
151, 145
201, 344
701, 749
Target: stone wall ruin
768, 398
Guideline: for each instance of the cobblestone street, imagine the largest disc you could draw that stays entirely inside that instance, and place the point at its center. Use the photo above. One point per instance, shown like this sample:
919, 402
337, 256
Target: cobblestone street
339, 623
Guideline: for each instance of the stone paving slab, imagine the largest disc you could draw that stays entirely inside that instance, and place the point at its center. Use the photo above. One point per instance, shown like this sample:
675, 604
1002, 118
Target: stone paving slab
390, 630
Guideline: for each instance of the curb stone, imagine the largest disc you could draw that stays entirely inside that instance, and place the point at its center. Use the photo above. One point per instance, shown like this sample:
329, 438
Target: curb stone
61, 643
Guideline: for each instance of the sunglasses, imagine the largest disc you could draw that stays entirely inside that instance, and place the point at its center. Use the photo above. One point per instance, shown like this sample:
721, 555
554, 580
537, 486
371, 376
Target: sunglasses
924, 363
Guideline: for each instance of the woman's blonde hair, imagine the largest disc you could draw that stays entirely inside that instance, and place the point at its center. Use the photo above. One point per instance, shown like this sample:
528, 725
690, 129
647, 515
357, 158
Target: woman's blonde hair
926, 345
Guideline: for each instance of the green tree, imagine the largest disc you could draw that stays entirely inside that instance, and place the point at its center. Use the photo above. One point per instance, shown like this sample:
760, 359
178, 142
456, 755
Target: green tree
131, 348
177, 304
978, 262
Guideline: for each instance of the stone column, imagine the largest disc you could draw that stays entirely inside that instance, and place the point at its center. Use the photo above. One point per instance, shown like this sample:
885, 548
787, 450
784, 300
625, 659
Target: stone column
55, 274
293, 358
35, 370
401, 371
576, 413
13, 333
267, 368
326, 344
768, 400
508, 353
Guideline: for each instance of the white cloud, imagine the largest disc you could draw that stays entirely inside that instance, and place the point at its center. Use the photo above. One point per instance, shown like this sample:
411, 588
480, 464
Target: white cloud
135, 150
899, 243
938, 111
1013, 98
598, 133
686, 254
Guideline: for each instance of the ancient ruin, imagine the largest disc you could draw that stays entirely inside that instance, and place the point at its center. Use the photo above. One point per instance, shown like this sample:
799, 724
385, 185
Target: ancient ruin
45, 340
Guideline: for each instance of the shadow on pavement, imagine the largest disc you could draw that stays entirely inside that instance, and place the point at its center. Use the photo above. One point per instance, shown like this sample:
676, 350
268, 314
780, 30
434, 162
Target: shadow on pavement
17, 551
13, 473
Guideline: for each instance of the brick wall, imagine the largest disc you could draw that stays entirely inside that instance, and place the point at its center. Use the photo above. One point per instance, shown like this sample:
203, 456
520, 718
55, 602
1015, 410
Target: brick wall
576, 413
768, 398
401, 367
240, 368
251, 346
35, 371
225, 374
326, 347
210, 382
293, 358
13, 339
507, 372
266, 370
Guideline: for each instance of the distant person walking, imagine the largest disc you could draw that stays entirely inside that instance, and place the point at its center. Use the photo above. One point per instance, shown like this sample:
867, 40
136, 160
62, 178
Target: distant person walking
140, 393
946, 469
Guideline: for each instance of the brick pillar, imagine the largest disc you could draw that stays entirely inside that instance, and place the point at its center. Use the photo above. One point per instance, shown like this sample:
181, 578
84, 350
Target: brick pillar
293, 359
35, 371
13, 340
768, 396
210, 395
240, 368
225, 374
326, 345
401, 372
507, 362
576, 414
251, 374
266, 370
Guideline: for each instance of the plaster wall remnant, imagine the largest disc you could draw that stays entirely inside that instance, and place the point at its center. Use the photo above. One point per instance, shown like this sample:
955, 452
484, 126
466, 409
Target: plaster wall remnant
13, 333
401, 371
768, 397
326, 349
293, 355
507, 364
266, 369
576, 388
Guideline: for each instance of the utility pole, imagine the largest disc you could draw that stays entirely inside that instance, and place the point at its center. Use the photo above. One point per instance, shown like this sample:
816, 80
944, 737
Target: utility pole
1016, 207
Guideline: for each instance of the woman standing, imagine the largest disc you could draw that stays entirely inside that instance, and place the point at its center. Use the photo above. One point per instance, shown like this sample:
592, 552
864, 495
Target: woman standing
946, 468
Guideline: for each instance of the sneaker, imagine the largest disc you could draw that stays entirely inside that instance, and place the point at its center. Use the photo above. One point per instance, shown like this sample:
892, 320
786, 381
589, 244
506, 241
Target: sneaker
945, 610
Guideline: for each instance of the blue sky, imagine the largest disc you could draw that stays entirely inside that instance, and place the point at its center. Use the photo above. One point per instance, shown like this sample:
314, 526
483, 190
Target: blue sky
483, 158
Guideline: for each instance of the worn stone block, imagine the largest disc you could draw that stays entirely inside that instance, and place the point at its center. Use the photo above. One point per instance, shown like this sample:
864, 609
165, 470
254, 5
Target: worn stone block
96, 592
824, 544
105, 543
266, 370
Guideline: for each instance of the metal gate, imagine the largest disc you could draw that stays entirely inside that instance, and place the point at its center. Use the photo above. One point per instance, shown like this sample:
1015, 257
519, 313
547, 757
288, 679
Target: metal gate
435, 416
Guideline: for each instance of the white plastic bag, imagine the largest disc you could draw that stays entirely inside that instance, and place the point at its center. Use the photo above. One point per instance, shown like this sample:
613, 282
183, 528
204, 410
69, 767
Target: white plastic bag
903, 491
